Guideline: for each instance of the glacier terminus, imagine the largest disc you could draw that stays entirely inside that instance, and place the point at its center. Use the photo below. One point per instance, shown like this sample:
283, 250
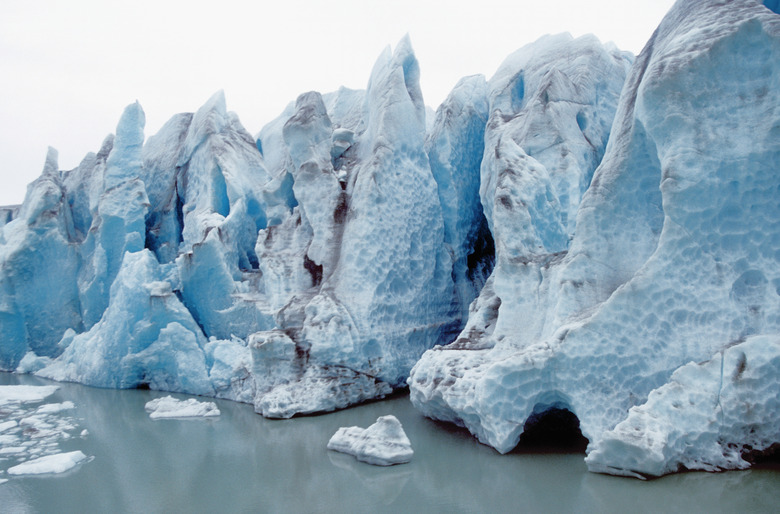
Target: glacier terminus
586, 231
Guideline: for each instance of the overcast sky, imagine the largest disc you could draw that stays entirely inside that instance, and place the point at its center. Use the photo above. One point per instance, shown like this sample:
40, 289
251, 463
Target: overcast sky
68, 68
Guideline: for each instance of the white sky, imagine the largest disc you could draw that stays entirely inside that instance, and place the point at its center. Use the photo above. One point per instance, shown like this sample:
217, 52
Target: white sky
68, 68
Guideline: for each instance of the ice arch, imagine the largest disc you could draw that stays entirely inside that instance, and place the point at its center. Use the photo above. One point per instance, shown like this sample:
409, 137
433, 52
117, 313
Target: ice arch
552, 424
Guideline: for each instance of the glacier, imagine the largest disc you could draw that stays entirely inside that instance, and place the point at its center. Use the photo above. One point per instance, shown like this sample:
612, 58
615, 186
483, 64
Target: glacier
709, 416
272, 270
586, 231
673, 259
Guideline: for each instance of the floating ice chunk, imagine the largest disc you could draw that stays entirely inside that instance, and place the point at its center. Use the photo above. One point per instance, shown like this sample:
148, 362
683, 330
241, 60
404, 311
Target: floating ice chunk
383, 444
12, 450
57, 463
170, 407
3, 480
25, 393
5, 440
30, 430
5, 425
53, 408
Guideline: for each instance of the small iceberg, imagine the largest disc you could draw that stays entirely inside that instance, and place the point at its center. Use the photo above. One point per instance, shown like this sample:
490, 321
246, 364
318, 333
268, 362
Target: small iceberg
57, 463
383, 444
170, 407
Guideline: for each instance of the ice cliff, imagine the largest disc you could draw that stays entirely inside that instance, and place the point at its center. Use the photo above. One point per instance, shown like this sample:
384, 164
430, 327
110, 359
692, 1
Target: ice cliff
584, 232
302, 271
673, 259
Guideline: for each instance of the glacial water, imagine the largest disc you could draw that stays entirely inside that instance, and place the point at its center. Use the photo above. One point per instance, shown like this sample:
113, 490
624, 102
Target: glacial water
240, 462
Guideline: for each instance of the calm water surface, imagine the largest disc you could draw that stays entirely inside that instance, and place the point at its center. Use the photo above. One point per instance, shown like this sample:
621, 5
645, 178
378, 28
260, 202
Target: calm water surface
241, 462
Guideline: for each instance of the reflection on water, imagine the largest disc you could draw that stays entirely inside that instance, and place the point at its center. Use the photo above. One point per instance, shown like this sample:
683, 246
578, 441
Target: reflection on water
240, 462
385, 484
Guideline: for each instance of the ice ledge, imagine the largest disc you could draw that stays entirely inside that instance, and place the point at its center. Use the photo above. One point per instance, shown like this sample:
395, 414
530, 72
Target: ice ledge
320, 389
711, 416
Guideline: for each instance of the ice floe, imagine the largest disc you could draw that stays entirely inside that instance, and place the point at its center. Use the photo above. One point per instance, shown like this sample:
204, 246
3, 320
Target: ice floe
56, 463
31, 431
